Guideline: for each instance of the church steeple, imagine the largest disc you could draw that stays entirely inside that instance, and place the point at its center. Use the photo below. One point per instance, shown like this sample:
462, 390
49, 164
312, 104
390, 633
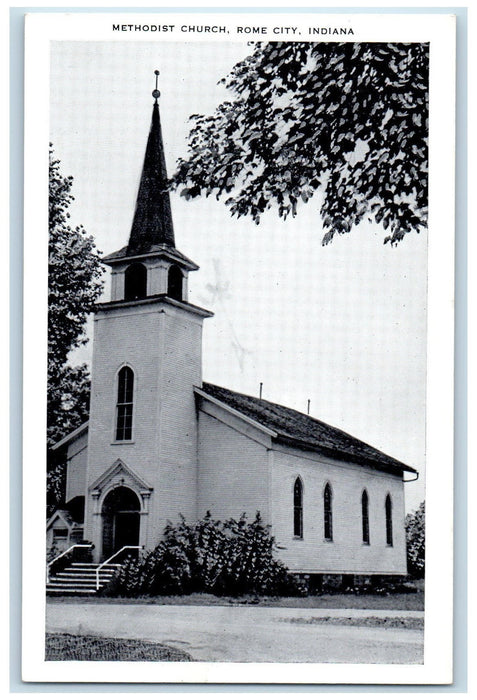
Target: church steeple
152, 223
150, 264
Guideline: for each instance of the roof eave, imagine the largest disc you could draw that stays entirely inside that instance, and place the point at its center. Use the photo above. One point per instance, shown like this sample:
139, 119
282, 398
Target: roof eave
71, 436
395, 468
118, 258
155, 298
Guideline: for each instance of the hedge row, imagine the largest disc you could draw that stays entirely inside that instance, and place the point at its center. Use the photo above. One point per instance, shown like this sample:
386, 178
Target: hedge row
234, 557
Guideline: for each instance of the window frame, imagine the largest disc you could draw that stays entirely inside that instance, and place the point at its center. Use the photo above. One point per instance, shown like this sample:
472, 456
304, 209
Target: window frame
365, 534
60, 533
328, 513
123, 406
298, 529
388, 509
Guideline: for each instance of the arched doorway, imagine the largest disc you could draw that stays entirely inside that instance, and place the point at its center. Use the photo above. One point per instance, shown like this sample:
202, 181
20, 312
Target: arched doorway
120, 516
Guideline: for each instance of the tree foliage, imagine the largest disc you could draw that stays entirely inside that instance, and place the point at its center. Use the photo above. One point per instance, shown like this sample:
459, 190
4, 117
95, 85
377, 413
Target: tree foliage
74, 285
232, 557
346, 119
74, 272
415, 524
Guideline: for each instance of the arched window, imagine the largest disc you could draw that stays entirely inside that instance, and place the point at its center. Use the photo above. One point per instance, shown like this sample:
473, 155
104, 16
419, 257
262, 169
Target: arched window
389, 521
124, 405
174, 283
135, 282
298, 508
328, 513
365, 516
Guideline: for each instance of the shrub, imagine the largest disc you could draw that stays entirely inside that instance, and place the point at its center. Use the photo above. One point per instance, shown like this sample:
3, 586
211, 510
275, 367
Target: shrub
378, 585
234, 557
52, 552
416, 541
60, 564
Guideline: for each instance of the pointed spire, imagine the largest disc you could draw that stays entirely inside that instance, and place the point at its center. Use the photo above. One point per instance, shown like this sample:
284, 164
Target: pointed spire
152, 223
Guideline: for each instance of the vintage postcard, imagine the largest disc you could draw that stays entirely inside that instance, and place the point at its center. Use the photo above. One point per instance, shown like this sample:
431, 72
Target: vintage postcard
239, 240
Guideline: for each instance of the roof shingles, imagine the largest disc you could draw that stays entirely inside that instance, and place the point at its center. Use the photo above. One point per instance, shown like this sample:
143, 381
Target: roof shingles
300, 430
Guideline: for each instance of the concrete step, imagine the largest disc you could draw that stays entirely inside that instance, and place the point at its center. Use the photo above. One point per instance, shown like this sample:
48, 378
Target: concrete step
65, 578
70, 591
59, 585
79, 578
70, 576
91, 570
68, 583
91, 565
87, 572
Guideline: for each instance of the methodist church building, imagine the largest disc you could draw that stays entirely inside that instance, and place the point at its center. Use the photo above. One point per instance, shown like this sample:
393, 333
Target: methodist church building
161, 442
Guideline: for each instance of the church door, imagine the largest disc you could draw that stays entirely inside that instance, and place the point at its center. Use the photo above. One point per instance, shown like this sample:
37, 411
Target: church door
120, 515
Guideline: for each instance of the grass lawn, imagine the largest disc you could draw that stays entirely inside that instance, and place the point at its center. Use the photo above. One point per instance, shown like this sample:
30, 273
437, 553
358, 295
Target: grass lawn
408, 623
394, 601
69, 647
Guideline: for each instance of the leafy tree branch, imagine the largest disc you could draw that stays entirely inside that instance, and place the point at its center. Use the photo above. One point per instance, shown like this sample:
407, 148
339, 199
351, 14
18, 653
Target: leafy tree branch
346, 119
74, 285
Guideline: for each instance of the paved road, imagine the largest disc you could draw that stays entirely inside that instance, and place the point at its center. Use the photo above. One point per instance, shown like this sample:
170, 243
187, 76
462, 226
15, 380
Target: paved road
238, 634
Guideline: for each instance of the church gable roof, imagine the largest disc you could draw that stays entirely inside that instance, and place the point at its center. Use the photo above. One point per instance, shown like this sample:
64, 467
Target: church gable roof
63, 515
299, 430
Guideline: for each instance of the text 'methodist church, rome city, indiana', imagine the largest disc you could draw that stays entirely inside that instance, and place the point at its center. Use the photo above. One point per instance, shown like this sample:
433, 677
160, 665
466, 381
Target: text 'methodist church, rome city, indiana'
160, 442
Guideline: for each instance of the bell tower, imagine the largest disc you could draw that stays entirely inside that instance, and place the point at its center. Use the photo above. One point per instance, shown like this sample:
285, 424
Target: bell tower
146, 361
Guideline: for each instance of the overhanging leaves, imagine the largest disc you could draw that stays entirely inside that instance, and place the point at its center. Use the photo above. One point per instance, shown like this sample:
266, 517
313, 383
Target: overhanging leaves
349, 119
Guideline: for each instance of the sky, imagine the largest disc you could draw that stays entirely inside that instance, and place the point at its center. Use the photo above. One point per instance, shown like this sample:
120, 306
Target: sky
343, 325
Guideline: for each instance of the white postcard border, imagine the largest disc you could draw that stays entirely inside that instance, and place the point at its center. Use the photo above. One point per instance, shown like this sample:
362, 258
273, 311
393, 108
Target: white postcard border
437, 668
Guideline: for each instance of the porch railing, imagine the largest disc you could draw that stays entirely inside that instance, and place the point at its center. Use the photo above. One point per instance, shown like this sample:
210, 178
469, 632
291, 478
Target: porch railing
59, 556
108, 561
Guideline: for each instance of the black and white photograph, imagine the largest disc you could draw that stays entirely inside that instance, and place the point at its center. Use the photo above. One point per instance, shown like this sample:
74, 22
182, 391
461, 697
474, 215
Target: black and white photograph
237, 285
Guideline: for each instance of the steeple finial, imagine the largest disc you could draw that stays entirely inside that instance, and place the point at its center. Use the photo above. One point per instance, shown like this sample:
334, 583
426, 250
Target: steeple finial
155, 92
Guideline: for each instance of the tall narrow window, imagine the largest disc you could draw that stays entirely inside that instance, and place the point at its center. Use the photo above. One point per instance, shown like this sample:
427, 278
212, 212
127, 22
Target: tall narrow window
328, 513
298, 508
124, 406
365, 516
389, 521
